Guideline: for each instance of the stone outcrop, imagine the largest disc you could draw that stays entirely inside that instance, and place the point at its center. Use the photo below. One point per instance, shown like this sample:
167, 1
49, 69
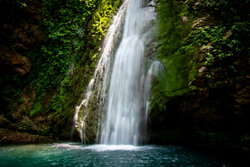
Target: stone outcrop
14, 62
16, 137
201, 21
184, 20
19, 34
19, 37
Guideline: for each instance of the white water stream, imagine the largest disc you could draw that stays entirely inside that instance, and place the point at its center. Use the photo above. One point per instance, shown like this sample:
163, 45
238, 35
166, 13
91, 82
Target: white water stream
123, 123
101, 73
122, 86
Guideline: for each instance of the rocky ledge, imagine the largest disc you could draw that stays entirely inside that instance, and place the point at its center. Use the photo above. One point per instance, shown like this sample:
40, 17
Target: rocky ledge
16, 137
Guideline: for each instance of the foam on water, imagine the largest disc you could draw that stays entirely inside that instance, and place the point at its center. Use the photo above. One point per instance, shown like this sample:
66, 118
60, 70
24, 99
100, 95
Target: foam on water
101, 147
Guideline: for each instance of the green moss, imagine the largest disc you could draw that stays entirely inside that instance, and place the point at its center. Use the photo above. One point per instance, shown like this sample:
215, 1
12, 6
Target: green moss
179, 45
173, 50
219, 47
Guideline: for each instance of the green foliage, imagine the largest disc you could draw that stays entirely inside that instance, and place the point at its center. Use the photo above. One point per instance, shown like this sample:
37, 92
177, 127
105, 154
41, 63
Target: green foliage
101, 19
224, 37
225, 10
222, 46
234, 17
72, 84
37, 107
65, 22
64, 63
93, 31
10, 94
74, 28
215, 37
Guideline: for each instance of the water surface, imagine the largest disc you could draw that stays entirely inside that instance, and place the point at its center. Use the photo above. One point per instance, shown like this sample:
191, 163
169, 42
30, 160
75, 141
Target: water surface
74, 154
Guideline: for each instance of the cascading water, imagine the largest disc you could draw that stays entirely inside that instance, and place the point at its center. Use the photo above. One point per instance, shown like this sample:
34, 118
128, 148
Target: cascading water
154, 71
97, 86
118, 86
125, 103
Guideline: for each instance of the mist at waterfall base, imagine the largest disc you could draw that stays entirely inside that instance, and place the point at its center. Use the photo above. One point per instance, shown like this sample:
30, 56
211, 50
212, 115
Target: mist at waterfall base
74, 154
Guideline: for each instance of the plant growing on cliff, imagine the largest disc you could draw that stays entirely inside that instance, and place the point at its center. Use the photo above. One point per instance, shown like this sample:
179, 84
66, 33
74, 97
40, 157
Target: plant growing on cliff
75, 31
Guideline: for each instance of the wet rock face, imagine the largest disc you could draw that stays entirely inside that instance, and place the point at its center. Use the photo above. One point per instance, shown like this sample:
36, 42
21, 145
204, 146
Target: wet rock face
14, 62
19, 35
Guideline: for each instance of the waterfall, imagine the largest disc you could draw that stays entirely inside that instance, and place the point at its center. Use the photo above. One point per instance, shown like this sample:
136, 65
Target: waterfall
154, 71
118, 87
98, 84
123, 121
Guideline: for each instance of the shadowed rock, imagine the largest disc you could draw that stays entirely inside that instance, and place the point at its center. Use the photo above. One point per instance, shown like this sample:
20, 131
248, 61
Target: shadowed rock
15, 62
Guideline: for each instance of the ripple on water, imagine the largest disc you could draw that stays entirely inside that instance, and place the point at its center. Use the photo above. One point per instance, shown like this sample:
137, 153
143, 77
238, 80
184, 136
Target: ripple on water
73, 154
